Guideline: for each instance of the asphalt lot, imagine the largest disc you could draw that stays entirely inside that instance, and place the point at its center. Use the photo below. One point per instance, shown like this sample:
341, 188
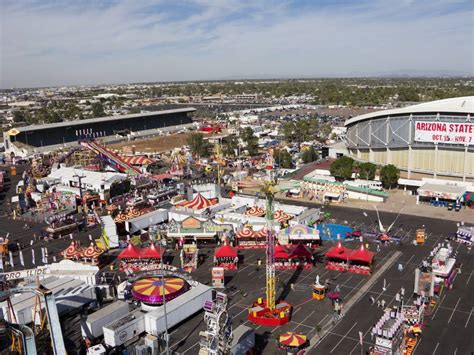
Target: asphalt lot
448, 330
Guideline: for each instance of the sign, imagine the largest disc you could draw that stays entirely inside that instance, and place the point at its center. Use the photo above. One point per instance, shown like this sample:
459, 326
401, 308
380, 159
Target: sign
21, 274
444, 132
217, 277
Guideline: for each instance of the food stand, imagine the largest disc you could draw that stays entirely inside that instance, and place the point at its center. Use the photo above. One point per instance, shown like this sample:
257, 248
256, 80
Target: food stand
337, 258
360, 261
226, 257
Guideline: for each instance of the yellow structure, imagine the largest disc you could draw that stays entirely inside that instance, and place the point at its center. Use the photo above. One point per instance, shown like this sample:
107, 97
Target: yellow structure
420, 236
319, 291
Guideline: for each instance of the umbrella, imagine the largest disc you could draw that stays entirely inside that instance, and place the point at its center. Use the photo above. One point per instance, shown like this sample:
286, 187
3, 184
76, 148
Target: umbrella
293, 340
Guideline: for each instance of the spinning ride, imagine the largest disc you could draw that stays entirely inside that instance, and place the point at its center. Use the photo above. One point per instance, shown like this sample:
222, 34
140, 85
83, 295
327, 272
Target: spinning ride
152, 291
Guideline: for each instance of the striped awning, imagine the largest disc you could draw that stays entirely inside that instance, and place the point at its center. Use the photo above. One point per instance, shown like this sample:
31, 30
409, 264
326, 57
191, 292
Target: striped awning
137, 160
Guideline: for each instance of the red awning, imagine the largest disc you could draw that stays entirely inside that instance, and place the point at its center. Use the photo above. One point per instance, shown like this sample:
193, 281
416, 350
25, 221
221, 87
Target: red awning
163, 176
225, 251
362, 254
152, 252
130, 252
281, 252
197, 203
338, 252
301, 251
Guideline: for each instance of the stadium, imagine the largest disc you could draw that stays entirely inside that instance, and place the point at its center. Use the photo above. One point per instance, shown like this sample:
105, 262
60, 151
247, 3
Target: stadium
48, 137
434, 138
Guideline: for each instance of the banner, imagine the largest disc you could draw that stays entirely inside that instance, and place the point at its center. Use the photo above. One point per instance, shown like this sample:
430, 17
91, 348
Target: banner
444, 132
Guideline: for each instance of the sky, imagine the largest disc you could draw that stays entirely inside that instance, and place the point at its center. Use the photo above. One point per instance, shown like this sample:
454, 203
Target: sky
83, 42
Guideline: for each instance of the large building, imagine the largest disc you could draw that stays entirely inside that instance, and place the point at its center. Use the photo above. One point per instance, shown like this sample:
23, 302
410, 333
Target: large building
435, 138
51, 136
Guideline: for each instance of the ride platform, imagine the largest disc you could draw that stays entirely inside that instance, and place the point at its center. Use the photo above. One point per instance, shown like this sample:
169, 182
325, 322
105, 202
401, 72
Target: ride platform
260, 314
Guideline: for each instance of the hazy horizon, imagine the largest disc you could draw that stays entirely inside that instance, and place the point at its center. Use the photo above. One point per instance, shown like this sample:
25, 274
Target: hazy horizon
66, 43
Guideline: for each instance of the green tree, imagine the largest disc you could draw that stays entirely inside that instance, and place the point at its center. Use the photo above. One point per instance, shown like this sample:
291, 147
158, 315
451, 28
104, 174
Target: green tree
229, 146
367, 171
97, 109
342, 168
389, 175
251, 141
19, 116
283, 159
309, 155
198, 145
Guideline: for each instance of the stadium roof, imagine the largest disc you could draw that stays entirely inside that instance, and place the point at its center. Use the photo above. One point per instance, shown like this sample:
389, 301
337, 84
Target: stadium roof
459, 105
102, 119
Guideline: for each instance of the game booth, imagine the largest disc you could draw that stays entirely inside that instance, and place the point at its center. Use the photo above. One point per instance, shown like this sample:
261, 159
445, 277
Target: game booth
90, 254
247, 238
226, 257
135, 258
281, 254
337, 258
301, 257
300, 233
465, 235
360, 261
189, 257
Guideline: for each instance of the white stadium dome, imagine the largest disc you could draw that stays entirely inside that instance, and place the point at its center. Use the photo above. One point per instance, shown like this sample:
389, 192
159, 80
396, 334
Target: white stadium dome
435, 138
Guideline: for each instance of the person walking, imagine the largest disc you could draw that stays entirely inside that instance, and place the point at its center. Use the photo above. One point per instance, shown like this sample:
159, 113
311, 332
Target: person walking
372, 300
383, 303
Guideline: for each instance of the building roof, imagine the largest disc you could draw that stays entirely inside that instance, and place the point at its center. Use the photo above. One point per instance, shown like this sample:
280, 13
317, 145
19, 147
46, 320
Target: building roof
93, 178
102, 119
459, 105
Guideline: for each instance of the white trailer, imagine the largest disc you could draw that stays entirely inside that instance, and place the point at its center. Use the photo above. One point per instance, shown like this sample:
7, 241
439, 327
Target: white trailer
179, 309
92, 327
124, 329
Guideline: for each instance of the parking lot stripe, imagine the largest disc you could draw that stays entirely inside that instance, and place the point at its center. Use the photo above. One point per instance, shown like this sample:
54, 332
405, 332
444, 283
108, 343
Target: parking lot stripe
454, 310
343, 337
469, 318
436, 348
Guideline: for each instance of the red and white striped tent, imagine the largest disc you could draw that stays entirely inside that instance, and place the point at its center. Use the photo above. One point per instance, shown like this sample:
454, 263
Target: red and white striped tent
255, 211
138, 160
197, 203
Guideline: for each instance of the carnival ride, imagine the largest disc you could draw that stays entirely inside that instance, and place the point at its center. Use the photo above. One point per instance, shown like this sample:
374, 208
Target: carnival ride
217, 338
110, 158
154, 291
269, 311
23, 339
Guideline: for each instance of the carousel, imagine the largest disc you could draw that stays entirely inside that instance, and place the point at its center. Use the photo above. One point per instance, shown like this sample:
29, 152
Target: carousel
292, 342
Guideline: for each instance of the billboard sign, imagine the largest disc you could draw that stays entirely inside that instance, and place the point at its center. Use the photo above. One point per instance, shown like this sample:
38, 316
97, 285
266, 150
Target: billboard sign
444, 132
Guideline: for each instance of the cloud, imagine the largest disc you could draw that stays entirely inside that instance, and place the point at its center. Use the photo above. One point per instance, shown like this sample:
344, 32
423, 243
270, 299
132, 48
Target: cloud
46, 43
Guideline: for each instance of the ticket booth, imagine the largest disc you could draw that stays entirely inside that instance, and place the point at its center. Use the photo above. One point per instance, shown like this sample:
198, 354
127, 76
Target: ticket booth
420, 236
319, 291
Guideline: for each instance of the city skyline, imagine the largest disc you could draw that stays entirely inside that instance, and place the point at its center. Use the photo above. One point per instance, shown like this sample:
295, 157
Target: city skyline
65, 43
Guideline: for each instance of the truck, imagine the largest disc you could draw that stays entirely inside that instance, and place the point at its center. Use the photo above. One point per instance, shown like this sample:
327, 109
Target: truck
178, 309
92, 328
125, 328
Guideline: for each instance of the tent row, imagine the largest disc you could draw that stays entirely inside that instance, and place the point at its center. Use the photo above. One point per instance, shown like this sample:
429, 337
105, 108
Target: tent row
344, 259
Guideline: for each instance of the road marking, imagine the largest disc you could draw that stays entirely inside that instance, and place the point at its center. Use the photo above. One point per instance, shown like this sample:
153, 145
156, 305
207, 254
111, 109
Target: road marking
435, 348
454, 310
355, 346
437, 307
469, 318
455, 351
185, 351
340, 341
469, 279
305, 319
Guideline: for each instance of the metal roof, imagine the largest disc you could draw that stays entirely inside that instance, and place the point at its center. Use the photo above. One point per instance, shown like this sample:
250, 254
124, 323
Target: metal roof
457, 105
101, 119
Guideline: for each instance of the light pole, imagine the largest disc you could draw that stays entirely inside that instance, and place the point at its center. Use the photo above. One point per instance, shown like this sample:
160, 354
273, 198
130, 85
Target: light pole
163, 244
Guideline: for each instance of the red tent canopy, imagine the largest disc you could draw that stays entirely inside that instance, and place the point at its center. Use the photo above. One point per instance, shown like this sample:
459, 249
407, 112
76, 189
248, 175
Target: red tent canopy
130, 252
339, 252
197, 203
281, 252
152, 252
362, 254
301, 251
226, 251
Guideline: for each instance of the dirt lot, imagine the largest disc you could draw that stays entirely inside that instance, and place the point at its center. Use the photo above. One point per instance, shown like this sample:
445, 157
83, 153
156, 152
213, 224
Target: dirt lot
156, 144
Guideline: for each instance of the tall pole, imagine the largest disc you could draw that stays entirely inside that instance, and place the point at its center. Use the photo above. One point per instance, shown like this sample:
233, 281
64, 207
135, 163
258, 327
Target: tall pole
164, 303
